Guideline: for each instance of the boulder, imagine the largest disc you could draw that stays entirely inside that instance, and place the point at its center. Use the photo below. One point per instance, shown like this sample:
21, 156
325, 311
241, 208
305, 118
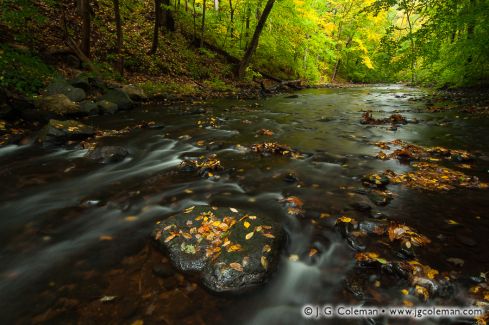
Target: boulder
59, 132
232, 251
89, 107
107, 107
135, 93
58, 105
81, 81
118, 97
60, 86
108, 154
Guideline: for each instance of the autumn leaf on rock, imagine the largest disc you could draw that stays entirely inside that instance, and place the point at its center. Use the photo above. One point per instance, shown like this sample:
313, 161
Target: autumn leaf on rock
264, 262
236, 266
249, 235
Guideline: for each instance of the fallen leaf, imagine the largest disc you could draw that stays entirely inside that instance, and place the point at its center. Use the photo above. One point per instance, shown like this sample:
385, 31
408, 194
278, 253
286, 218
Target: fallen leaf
107, 298
170, 237
249, 235
294, 258
107, 237
131, 218
246, 224
264, 262
313, 252
236, 266
233, 210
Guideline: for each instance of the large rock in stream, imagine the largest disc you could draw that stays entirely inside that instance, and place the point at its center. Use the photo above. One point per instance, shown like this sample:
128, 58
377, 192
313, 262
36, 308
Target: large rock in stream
59, 132
232, 251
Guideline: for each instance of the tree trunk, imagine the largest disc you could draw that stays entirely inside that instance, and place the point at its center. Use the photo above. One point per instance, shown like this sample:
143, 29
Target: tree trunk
167, 19
203, 25
86, 26
118, 26
195, 23
216, 5
247, 31
157, 25
231, 17
254, 41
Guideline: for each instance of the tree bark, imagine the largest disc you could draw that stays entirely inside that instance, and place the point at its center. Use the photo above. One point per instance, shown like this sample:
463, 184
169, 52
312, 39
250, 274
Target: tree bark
86, 26
168, 20
254, 41
157, 25
118, 25
203, 25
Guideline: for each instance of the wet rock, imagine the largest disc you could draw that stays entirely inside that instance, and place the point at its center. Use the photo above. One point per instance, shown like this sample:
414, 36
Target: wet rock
89, 107
58, 105
373, 226
134, 93
199, 110
118, 97
108, 154
291, 178
61, 86
107, 107
380, 198
361, 206
59, 132
232, 251
467, 241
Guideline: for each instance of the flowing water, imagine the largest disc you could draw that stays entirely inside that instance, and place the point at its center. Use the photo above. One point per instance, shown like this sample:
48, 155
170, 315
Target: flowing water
68, 225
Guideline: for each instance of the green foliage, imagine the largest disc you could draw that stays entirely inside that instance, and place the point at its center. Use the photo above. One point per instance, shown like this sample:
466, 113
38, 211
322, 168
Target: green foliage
154, 88
22, 71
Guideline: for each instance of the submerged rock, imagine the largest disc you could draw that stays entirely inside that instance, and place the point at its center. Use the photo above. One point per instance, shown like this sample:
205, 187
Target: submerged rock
59, 132
231, 250
108, 154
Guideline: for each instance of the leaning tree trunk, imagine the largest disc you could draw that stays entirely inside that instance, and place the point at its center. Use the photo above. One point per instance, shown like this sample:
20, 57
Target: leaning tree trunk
86, 26
118, 26
254, 41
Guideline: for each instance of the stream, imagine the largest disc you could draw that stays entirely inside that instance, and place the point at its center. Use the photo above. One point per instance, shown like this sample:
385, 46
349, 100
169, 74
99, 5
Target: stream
74, 233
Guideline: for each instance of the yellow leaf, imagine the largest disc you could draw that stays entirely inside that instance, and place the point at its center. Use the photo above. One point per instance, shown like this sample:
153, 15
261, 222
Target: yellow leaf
249, 235
233, 210
247, 224
264, 262
138, 322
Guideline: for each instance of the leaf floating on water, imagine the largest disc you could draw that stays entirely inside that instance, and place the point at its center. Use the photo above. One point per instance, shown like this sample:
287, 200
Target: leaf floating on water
246, 224
268, 235
313, 252
107, 237
452, 222
405, 292
249, 235
236, 266
264, 262
107, 298
188, 191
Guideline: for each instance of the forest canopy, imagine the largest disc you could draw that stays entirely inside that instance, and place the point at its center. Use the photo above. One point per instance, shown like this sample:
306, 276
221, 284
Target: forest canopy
440, 43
